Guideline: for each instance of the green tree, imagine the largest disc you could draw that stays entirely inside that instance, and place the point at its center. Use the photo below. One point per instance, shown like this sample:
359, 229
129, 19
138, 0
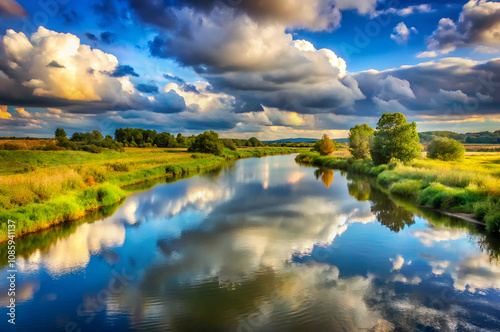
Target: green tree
445, 149
60, 133
254, 141
360, 141
324, 146
229, 143
395, 138
208, 142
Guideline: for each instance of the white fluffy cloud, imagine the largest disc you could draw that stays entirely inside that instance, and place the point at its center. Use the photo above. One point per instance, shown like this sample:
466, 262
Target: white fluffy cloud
401, 33
56, 65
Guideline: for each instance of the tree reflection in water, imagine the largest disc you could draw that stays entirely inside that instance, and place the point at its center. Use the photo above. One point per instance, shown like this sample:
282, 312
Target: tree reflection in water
326, 176
387, 212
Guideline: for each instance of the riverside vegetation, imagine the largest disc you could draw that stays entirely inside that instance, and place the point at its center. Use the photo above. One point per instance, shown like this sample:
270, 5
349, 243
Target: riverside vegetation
42, 188
448, 181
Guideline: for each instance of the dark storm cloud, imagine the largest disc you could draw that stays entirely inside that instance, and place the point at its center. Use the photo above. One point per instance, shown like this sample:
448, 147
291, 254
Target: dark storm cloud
124, 70
146, 88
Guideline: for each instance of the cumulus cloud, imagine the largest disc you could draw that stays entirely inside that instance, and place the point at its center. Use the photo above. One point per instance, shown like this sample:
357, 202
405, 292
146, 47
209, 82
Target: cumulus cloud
478, 24
259, 64
393, 88
401, 33
52, 69
21, 112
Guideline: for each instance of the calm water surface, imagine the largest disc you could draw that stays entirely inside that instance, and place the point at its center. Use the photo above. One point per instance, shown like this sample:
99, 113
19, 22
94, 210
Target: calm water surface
260, 245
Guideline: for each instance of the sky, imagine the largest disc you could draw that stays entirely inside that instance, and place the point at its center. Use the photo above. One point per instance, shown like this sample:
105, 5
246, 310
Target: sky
270, 69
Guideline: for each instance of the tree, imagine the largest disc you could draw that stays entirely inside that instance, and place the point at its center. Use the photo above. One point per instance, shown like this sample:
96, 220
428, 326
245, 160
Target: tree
324, 146
254, 141
445, 149
360, 141
60, 133
395, 138
208, 142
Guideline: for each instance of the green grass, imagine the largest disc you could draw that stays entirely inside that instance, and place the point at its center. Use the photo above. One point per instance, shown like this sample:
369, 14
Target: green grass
470, 186
41, 188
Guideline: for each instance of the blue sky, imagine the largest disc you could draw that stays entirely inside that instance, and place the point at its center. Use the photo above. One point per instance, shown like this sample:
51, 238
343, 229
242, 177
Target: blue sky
247, 68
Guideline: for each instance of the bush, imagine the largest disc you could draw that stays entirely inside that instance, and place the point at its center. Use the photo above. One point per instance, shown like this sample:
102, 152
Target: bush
15, 146
118, 167
65, 143
407, 188
91, 148
228, 143
481, 209
493, 222
324, 146
446, 149
51, 147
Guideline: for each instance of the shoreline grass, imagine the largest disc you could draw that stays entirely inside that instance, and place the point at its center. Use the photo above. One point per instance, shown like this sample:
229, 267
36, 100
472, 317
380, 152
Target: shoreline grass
470, 186
38, 192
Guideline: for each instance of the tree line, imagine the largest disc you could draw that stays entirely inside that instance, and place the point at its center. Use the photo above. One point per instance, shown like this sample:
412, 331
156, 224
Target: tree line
483, 137
95, 141
394, 139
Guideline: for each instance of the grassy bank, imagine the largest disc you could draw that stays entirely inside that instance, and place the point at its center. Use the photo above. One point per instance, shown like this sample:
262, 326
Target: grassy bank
469, 186
41, 188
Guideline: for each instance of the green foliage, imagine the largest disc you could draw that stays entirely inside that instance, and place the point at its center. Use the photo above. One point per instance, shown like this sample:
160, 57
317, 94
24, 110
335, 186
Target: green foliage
254, 142
60, 133
92, 148
360, 141
395, 138
493, 222
484, 137
208, 142
407, 188
118, 167
446, 149
65, 143
324, 146
230, 144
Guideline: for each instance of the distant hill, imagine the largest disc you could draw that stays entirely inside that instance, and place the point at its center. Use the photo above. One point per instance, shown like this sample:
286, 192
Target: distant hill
304, 140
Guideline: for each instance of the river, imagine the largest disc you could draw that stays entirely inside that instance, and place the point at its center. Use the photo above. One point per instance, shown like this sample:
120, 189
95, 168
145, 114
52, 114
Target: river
261, 244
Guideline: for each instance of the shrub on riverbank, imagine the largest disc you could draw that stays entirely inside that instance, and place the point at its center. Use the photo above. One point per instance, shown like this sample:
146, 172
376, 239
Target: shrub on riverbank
444, 148
433, 184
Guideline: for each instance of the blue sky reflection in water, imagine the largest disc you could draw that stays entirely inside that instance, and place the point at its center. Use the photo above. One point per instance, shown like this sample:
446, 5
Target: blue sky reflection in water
261, 245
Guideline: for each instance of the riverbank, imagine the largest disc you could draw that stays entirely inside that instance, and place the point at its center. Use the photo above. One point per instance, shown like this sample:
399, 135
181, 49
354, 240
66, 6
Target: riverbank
39, 189
468, 186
